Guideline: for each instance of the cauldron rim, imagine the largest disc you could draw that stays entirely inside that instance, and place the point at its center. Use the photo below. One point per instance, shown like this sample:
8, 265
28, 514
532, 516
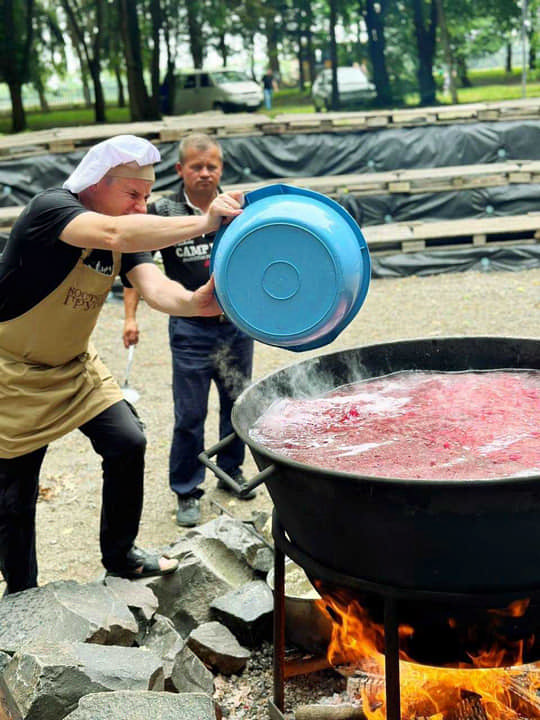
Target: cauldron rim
282, 460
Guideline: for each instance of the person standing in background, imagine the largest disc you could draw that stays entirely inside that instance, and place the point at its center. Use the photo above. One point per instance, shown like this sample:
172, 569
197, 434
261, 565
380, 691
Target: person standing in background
203, 349
269, 85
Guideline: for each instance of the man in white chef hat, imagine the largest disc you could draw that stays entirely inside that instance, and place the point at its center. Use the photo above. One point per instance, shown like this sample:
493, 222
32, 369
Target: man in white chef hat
58, 266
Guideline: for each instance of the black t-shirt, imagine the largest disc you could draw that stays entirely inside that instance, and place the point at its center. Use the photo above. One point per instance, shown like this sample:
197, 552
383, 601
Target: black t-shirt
268, 82
35, 261
188, 262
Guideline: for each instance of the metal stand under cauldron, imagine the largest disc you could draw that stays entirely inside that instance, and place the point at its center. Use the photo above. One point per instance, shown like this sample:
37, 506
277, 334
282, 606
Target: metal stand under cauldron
277, 706
391, 599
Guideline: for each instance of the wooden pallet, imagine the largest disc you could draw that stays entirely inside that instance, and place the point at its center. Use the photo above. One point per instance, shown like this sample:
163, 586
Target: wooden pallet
453, 234
408, 182
8, 215
173, 128
424, 235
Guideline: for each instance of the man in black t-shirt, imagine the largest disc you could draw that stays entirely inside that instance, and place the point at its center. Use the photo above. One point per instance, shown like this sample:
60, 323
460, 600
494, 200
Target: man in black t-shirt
269, 85
56, 271
203, 349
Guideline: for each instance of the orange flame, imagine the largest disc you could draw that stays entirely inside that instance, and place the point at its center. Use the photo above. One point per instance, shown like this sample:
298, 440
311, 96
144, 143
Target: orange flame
357, 646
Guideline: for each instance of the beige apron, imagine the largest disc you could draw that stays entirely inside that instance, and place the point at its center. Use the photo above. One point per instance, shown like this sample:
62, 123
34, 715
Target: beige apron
51, 379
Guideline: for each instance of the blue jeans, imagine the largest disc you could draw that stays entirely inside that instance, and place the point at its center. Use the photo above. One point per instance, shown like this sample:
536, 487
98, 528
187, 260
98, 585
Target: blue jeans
204, 350
267, 98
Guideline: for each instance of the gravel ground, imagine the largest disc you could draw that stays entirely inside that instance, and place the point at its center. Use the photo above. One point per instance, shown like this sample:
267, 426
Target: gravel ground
470, 303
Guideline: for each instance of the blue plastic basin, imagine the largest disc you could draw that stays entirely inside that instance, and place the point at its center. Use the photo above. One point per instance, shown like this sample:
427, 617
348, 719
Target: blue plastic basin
293, 270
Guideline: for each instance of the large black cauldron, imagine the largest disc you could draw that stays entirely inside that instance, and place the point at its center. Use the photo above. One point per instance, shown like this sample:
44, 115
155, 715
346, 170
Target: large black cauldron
441, 540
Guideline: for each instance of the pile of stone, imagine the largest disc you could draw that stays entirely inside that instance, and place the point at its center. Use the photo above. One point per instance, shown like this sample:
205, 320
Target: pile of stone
133, 650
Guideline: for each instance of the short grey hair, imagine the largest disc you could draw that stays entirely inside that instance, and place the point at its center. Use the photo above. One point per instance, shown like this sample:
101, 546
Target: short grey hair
200, 142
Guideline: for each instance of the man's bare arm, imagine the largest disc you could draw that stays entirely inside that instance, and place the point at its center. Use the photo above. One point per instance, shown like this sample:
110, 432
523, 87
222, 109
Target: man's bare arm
137, 232
169, 296
130, 335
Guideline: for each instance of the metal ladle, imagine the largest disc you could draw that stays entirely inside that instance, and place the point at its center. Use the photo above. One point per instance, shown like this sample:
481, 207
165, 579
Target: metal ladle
129, 393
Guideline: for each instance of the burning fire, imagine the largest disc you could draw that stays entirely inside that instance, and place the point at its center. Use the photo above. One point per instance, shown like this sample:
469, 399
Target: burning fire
485, 689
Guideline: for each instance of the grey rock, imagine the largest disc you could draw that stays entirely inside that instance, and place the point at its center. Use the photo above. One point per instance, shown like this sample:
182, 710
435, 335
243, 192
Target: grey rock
247, 612
221, 560
140, 599
163, 640
137, 597
65, 610
216, 646
189, 674
185, 596
139, 705
4, 659
243, 543
45, 681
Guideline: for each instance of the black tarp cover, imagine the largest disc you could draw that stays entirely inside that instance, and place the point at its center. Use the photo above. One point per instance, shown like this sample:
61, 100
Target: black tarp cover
265, 157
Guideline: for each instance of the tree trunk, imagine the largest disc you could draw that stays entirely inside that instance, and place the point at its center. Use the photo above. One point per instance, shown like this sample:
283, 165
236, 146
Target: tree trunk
195, 33
99, 97
43, 103
300, 56
87, 95
533, 45
374, 19
139, 102
425, 42
223, 49
310, 47
463, 72
272, 48
508, 63
120, 87
333, 55
17, 60
156, 15
18, 116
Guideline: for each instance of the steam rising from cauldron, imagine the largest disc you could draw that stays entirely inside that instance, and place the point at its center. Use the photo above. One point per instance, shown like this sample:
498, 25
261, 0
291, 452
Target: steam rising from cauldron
233, 379
307, 379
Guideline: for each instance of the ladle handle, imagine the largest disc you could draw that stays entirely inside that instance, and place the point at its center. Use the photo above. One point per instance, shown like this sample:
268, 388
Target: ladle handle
255, 481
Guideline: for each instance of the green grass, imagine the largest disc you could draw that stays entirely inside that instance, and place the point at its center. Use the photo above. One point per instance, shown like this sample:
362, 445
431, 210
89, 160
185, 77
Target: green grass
64, 117
488, 86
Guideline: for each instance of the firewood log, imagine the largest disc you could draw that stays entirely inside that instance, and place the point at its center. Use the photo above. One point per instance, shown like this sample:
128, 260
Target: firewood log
329, 712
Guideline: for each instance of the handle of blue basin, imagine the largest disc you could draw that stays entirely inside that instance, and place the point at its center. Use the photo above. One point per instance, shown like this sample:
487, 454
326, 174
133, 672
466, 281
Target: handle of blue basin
255, 481
267, 191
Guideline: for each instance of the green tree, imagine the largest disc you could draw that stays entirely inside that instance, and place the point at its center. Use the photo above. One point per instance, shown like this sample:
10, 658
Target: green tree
425, 30
374, 16
87, 20
140, 29
48, 51
16, 36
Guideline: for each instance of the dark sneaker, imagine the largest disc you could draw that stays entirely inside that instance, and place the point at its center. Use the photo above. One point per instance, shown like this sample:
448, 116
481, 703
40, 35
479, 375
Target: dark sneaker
189, 511
241, 480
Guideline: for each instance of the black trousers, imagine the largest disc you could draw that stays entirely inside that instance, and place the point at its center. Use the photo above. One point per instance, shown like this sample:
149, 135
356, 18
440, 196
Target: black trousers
117, 435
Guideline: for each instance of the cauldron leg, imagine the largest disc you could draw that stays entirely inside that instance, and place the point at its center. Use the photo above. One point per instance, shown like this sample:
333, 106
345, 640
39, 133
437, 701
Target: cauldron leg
279, 628
391, 660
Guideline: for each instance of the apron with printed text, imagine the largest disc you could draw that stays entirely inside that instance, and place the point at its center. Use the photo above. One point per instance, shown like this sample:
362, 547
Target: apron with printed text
51, 379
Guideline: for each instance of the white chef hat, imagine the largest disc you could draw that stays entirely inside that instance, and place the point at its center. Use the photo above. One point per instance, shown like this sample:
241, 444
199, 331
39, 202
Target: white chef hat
119, 156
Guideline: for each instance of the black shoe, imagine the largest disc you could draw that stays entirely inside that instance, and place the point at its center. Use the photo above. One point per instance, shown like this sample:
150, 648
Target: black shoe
189, 511
140, 563
239, 480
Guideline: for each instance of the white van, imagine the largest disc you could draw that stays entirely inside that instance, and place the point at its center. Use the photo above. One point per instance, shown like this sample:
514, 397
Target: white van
227, 90
353, 87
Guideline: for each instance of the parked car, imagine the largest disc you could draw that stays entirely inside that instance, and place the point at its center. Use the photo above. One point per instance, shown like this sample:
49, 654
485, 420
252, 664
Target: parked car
353, 87
227, 90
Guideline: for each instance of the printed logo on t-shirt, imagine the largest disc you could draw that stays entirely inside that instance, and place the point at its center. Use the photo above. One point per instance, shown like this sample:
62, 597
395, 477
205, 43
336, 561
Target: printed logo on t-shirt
188, 252
101, 261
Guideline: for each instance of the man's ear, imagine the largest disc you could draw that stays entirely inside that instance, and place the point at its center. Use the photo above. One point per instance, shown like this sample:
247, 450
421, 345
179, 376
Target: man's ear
178, 168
